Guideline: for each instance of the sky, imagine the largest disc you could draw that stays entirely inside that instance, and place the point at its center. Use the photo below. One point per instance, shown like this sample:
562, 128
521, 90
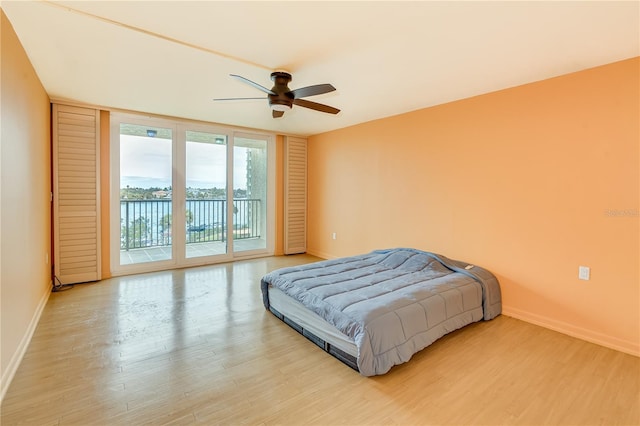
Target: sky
146, 162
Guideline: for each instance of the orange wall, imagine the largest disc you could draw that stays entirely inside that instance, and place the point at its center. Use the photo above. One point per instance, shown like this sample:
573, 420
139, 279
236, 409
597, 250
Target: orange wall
25, 204
530, 182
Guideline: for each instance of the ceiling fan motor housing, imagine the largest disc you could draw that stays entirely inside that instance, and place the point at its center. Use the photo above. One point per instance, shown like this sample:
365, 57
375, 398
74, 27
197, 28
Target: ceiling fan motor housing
283, 98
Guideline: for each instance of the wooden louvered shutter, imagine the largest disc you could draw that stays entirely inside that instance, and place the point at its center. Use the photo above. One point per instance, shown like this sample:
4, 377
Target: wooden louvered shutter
295, 195
76, 189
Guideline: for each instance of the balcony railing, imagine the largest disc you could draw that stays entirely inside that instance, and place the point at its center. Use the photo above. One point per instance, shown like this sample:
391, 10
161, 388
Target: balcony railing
147, 223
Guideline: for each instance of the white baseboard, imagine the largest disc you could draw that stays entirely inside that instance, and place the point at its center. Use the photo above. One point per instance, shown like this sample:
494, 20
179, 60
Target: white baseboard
629, 347
10, 372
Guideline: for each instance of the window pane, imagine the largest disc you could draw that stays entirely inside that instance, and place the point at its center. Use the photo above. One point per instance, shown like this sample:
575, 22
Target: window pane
249, 194
145, 193
206, 194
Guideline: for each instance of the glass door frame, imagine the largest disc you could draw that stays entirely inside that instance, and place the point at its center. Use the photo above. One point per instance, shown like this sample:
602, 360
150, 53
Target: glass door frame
116, 119
178, 225
270, 193
181, 201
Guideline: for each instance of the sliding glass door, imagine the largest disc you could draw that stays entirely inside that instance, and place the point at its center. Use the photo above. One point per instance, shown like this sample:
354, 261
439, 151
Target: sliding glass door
205, 194
250, 193
144, 193
188, 194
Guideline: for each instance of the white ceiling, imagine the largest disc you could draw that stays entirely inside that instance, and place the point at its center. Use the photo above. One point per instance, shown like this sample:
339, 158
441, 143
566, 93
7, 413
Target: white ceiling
385, 58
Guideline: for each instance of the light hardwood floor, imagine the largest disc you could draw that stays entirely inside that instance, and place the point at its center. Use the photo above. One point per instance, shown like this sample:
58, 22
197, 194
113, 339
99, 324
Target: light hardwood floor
196, 346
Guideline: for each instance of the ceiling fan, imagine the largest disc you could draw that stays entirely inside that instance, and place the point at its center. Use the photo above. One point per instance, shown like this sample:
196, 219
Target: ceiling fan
282, 99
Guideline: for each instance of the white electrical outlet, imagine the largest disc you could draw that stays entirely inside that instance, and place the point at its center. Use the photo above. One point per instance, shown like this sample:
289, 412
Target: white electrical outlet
584, 272
334, 236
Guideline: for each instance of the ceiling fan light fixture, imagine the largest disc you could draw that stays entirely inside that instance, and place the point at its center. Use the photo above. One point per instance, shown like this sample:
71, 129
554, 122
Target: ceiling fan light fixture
280, 107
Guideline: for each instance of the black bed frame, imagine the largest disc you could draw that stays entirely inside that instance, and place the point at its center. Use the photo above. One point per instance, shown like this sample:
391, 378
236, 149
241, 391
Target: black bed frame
339, 354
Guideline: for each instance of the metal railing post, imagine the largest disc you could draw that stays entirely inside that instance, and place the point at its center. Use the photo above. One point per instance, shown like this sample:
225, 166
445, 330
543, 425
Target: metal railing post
126, 224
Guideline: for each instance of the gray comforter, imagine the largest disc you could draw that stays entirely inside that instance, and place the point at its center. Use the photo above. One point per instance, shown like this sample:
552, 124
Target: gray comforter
392, 303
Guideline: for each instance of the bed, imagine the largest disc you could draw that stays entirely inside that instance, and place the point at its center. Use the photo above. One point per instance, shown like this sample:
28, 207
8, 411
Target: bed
376, 310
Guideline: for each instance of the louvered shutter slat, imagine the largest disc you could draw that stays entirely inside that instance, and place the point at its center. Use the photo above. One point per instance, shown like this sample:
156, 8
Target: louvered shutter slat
295, 200
76, 194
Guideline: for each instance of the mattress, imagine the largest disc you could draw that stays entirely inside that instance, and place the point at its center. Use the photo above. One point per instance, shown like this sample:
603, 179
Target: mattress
313, 327
388, 303
308, 320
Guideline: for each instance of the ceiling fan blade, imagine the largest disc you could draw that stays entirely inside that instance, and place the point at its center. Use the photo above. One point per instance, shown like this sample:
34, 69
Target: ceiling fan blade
316, 106
239, 99
318, 89
277, 114
252, 83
